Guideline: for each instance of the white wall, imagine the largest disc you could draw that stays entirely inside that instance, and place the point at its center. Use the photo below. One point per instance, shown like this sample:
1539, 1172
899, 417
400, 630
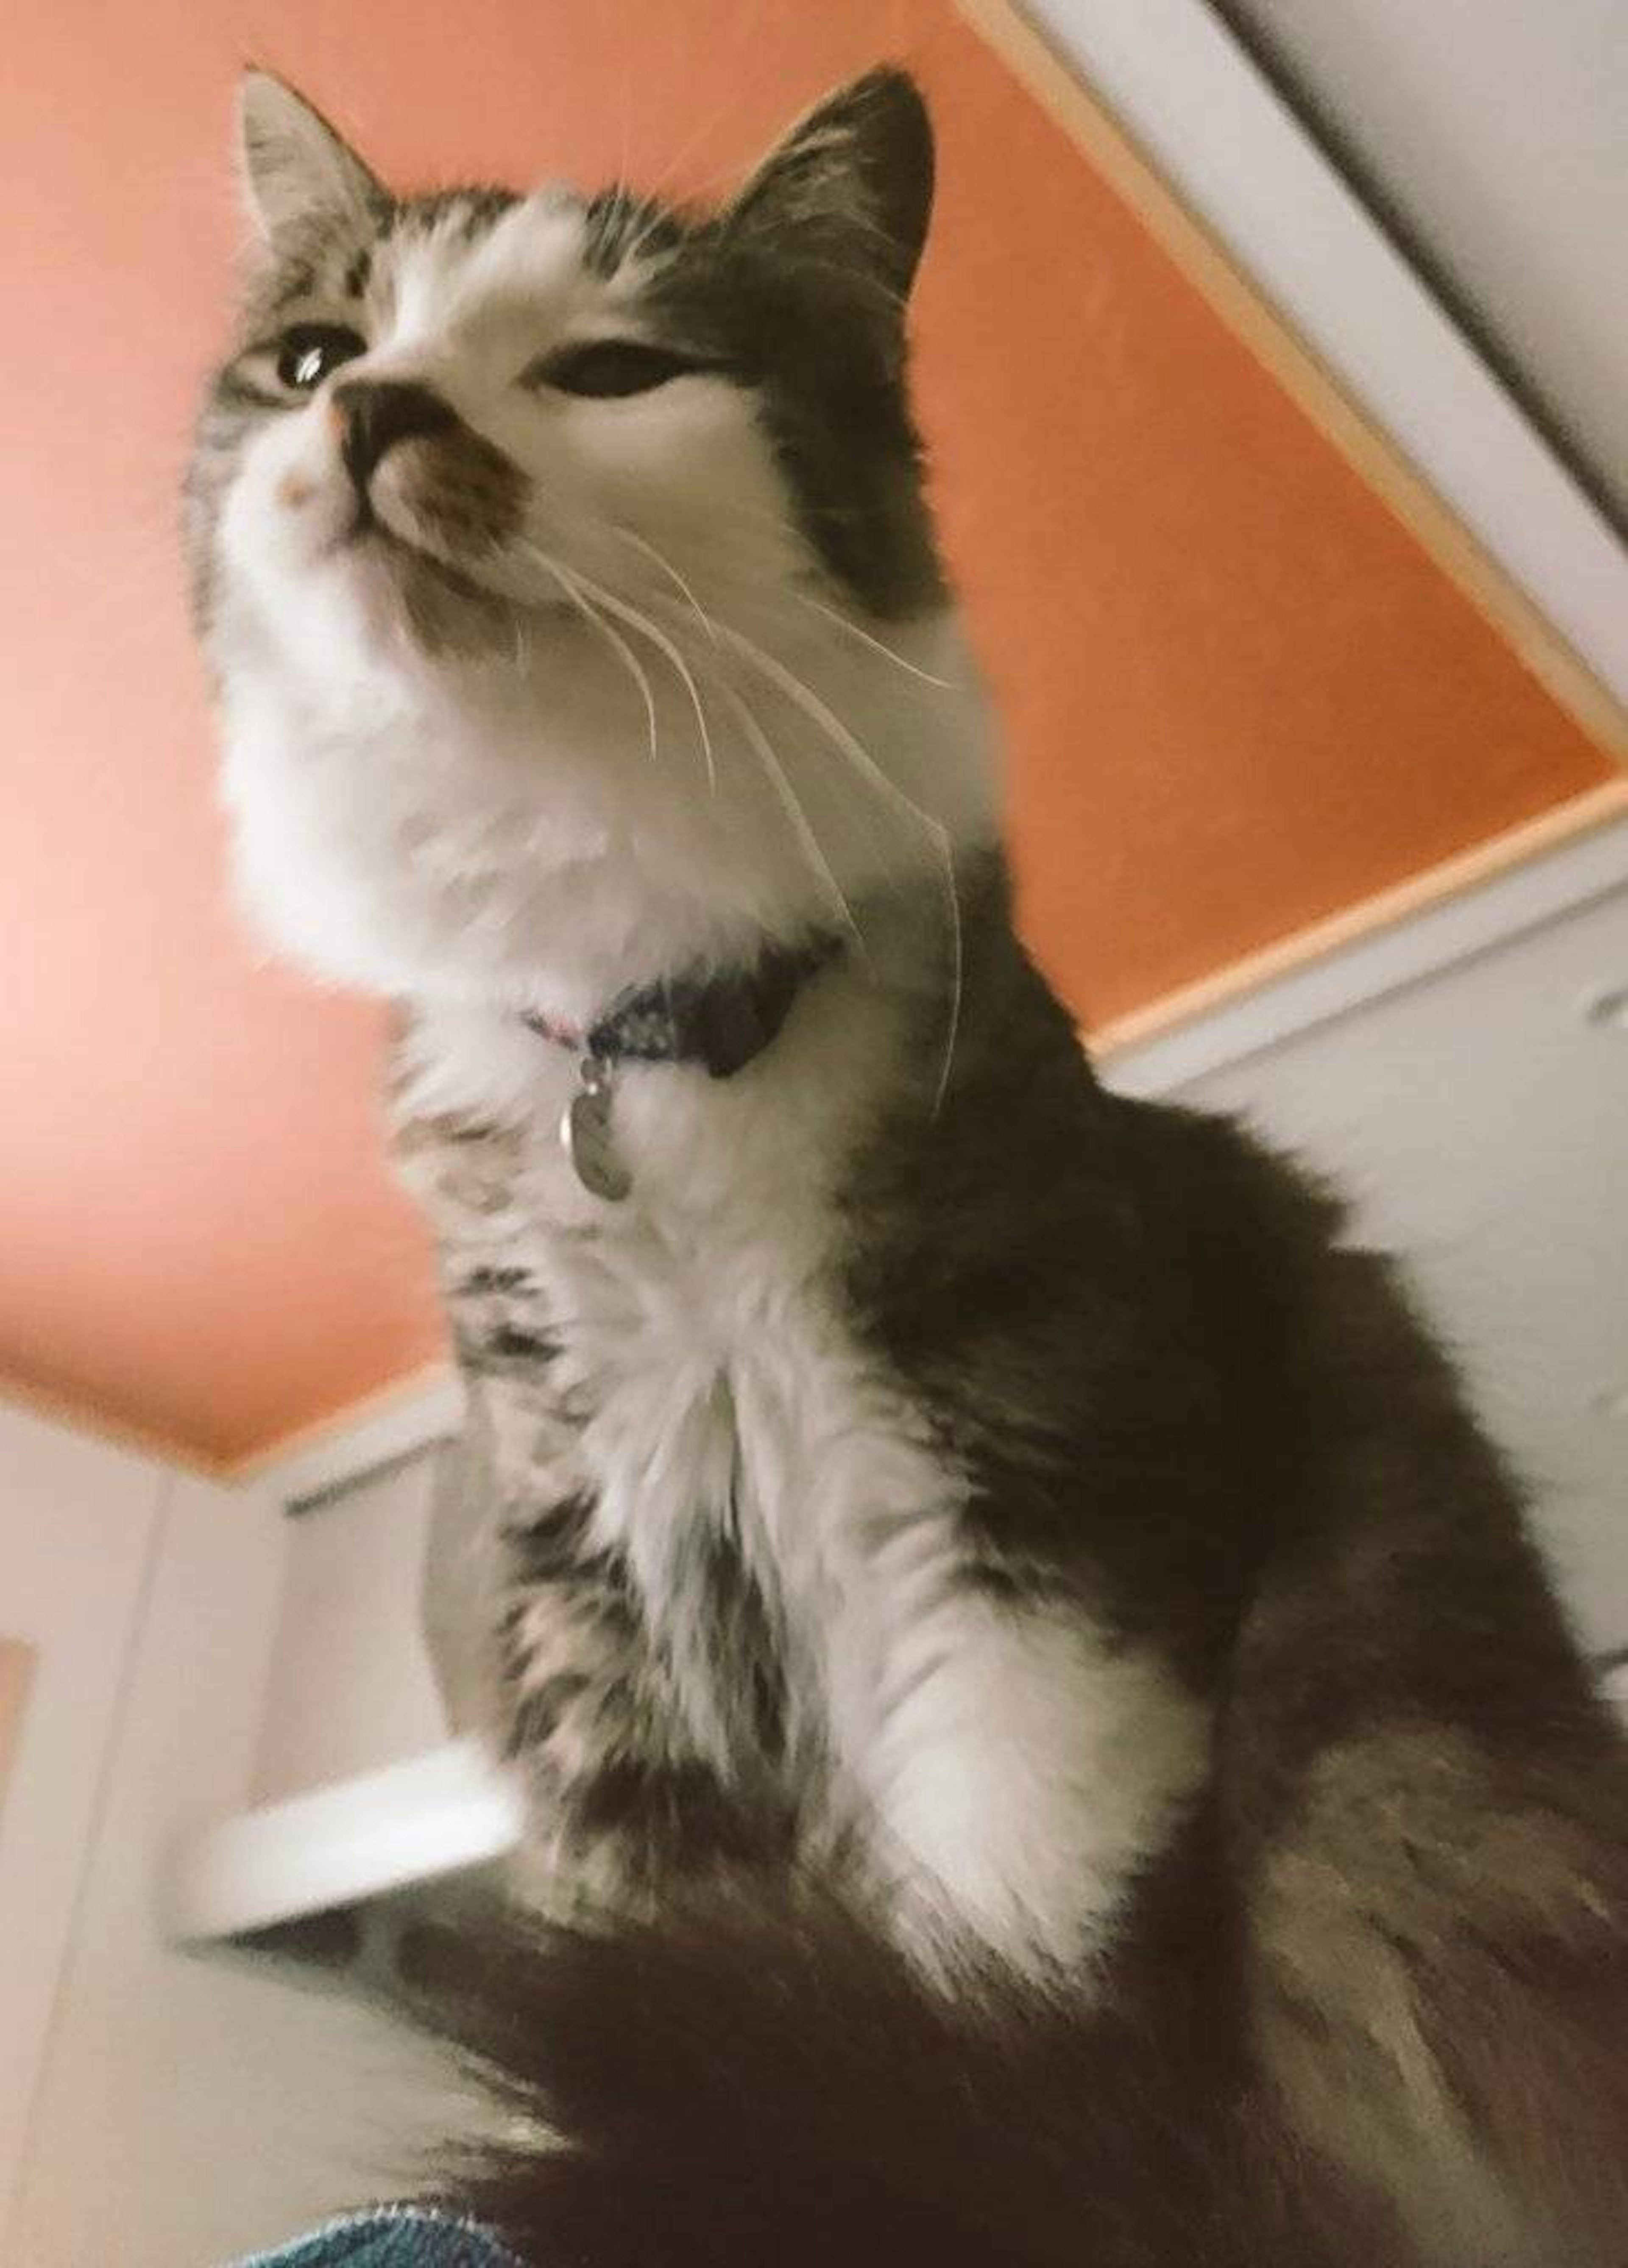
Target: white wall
78, 1521
182, 2110
349, 1666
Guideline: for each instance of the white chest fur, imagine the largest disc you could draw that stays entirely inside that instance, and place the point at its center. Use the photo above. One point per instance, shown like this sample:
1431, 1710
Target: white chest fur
1006, 1771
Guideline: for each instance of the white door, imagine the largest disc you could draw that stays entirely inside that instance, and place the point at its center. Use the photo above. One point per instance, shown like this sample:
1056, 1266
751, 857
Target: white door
78, 1524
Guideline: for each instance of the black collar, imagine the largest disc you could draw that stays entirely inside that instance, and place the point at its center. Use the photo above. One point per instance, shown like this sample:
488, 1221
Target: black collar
722, 1018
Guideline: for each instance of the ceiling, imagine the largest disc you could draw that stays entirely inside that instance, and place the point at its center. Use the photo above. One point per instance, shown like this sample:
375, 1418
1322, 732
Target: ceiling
1238, 697
1489, 134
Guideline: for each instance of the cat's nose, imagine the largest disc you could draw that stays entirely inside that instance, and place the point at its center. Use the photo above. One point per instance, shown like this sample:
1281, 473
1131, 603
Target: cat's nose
374, 414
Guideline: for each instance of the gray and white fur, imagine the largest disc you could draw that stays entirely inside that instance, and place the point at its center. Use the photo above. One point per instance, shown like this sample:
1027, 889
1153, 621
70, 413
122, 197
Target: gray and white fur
988, 1571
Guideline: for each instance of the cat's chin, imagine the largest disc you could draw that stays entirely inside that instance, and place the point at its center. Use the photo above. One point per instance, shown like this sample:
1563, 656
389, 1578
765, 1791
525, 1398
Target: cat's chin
398, 586
444, 609
314, 564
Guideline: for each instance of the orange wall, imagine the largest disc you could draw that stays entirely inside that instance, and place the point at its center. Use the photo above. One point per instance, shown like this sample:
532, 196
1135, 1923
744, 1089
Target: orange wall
1238, 697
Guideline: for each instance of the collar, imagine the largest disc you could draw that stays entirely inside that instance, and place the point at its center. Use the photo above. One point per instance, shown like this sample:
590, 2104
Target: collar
721, 1019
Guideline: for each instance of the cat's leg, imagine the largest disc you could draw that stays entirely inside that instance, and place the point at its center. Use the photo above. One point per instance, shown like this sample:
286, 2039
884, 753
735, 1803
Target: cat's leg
1019, 1770
618, 1802
620, 1806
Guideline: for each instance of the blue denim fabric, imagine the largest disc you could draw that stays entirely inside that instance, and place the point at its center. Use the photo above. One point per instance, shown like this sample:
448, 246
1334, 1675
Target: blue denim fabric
391, 2236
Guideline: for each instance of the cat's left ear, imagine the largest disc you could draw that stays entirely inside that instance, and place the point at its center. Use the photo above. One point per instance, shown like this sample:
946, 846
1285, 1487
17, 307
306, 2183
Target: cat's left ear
297, 174
855, 176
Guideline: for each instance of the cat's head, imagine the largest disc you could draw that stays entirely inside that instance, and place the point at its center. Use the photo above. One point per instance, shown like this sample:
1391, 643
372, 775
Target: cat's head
563, 563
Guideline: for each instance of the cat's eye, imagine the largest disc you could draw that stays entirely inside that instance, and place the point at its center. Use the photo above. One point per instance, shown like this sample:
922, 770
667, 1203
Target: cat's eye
308, 352
603, 369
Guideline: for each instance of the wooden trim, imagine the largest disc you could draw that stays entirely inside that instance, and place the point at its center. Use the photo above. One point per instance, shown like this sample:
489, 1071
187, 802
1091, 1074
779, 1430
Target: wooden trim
400, 1415
79, 1417
1305, 376
1483, 896
424, 1406
17, 1660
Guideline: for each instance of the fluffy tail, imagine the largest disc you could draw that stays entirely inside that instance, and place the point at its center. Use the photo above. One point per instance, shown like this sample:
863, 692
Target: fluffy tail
774, 2084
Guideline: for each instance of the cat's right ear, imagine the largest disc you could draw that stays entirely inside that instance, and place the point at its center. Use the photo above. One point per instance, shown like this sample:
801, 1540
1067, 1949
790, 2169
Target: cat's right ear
297, 174
854, 180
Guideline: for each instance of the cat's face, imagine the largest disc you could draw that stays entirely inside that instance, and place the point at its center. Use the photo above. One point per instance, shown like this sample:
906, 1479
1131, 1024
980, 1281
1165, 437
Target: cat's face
553, 540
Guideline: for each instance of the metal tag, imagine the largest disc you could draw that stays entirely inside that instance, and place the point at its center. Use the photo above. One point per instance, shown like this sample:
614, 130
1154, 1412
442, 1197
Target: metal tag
585, 1132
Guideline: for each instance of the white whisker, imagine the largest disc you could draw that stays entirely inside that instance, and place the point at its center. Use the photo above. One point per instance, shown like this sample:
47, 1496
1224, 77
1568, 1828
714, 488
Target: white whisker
570, 583
804, 698
658, 559
802, 826
663, 644
844, 622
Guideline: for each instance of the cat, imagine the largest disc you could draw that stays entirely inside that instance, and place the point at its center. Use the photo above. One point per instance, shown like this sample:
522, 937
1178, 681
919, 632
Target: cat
1046, 1735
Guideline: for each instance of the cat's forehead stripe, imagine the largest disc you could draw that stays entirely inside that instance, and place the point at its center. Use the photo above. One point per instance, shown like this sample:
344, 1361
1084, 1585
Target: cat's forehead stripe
465, 214
531, 251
